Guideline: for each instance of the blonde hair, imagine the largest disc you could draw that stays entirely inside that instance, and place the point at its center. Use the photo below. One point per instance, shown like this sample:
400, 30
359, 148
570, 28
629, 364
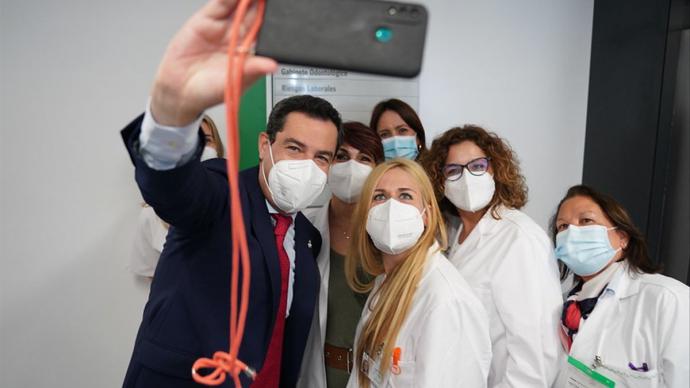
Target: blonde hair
391, 303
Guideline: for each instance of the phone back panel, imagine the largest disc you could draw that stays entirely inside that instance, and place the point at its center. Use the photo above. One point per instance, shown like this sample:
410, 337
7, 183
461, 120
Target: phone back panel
378, 37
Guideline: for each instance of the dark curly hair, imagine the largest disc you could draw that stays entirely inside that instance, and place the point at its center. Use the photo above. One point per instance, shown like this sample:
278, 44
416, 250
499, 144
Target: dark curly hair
635, 253
511, 188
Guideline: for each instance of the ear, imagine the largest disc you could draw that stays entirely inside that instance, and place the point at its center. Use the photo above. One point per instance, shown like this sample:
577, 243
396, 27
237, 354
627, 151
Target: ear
624, 238
264, 143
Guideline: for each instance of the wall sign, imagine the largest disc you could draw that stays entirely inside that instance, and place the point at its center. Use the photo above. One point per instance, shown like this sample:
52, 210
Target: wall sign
353, 94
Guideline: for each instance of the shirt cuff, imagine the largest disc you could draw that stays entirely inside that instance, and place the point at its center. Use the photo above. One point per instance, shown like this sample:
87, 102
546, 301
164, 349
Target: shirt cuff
163, 147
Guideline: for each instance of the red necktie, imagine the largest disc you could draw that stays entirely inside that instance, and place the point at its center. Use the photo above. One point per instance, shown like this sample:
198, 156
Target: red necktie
269, 376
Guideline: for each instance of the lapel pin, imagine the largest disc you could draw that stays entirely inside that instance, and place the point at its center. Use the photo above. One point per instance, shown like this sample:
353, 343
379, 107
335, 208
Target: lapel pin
309, 244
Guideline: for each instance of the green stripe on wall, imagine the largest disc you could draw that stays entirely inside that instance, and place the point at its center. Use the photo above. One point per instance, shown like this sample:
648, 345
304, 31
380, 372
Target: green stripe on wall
252, 122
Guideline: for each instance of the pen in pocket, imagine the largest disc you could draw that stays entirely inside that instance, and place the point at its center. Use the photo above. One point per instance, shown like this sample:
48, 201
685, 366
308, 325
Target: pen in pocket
643, 368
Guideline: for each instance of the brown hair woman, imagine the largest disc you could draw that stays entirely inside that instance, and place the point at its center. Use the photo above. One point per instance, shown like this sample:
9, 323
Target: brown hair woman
399, 128
328, 358
504, 255
621, 318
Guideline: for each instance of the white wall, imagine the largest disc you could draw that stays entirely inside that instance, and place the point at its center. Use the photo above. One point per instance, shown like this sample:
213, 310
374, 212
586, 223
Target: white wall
520, 69
72, 73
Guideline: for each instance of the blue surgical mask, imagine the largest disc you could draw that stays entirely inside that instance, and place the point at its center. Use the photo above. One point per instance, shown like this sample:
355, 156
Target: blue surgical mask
400, 147
586, 250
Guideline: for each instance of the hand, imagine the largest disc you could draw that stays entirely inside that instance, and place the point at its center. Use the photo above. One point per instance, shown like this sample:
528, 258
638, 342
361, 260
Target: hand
192, 75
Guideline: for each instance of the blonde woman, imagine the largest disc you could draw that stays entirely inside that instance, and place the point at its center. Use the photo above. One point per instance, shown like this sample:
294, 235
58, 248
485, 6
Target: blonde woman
421, 325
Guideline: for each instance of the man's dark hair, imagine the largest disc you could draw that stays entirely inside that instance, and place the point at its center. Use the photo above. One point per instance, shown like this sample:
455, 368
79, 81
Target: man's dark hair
314, 107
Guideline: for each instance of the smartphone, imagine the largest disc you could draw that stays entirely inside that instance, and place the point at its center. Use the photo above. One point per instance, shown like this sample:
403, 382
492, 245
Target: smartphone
378, 37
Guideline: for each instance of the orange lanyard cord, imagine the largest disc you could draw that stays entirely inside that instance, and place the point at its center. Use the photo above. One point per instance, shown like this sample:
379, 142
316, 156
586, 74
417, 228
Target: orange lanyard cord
227, 363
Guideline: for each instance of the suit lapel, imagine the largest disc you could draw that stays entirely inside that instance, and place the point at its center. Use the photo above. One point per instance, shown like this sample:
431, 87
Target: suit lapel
305, 263
304, 250
262, 231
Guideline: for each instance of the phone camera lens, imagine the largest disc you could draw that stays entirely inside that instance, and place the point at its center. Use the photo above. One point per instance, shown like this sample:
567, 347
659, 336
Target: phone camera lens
383, 34
392, 11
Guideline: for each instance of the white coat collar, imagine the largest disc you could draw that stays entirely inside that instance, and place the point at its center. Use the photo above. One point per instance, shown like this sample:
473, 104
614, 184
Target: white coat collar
431, 263
431, 260
621, 286
485, 227
487, 223
625, 283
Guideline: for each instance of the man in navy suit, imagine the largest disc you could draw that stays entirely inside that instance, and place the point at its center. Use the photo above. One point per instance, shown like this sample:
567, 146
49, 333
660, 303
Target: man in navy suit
187, 315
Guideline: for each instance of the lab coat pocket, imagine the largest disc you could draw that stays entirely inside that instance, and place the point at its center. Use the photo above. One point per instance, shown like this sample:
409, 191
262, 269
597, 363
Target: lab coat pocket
624, 376
405, 379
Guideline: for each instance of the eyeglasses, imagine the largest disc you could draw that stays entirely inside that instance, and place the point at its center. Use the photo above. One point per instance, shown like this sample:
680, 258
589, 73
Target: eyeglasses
476, 167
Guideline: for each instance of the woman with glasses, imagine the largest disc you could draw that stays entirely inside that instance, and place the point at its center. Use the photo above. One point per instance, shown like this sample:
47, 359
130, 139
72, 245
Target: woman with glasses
504, 255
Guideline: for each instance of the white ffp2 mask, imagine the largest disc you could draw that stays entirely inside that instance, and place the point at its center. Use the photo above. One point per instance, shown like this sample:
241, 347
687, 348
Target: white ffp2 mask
294, 184
471, 193
394, 226
347, 179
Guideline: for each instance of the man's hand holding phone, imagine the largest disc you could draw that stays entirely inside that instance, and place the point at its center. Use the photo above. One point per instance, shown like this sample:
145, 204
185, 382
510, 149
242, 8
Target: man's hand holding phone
192, 74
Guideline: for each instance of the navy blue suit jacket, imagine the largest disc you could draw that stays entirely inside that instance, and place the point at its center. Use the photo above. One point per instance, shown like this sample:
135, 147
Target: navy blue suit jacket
187, 314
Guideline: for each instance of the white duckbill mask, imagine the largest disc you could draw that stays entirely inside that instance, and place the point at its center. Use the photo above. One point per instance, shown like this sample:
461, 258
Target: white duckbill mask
347, 179
294, 184
470, 192
395, 227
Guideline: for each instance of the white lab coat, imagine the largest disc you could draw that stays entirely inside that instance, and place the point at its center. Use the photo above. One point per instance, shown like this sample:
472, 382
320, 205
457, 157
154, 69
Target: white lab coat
639, 318
313, 370
510, 265
149, 239
444, 339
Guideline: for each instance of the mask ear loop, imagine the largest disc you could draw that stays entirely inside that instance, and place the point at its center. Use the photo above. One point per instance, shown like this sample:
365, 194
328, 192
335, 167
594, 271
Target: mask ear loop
423, 210
622, 246
422, 214
263, 172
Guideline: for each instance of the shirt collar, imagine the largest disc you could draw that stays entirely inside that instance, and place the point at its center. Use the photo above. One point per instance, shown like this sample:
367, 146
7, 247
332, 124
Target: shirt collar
272, 210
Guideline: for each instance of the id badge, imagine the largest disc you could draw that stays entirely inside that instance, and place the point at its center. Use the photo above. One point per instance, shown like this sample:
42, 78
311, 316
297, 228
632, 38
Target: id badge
372, 369
579, 375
